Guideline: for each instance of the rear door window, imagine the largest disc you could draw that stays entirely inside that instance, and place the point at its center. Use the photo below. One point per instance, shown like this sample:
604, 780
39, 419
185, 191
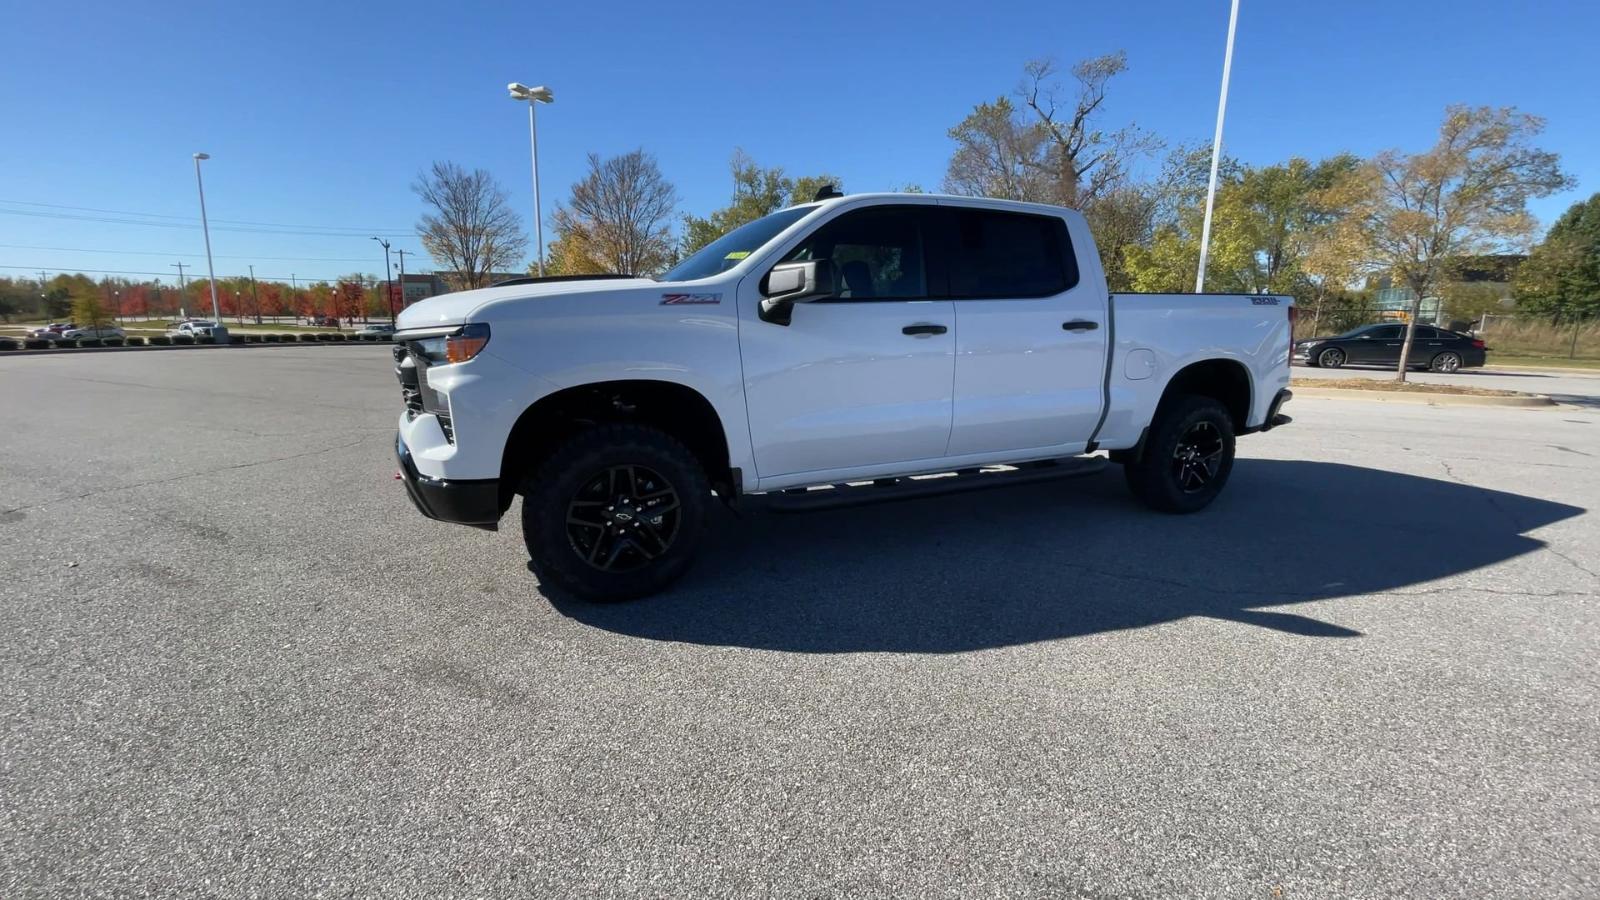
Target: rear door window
1003, 255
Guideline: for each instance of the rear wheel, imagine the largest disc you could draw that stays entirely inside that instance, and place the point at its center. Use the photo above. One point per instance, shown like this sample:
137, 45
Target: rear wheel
1447, 361
1187, 457
616, 513
1331, 358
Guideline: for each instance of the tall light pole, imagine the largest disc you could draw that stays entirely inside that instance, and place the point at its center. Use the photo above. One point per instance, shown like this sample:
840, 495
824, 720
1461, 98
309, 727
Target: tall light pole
1216, 152
388, 290
534, 96
205, 227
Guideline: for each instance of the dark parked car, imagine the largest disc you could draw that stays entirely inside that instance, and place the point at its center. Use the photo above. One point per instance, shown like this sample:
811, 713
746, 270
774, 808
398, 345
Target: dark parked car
1379, 345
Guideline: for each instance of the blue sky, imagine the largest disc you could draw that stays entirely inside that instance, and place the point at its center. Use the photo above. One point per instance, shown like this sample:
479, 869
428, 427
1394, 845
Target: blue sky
320, 114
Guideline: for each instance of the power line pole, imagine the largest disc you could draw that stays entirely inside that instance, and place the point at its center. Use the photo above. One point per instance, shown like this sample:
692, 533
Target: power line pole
183, 292
388, 273
402, 279
255, 296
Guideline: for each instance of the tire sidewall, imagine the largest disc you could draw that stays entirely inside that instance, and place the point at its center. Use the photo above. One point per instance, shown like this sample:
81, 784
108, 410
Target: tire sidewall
558, 480
1323, 356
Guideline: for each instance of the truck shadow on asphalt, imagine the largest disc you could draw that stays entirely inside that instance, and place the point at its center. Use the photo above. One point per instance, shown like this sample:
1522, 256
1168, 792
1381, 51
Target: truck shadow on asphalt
1022, 564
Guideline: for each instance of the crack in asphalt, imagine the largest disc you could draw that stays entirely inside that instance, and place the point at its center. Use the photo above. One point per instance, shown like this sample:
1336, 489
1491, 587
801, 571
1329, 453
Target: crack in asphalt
1510, 517
154, 481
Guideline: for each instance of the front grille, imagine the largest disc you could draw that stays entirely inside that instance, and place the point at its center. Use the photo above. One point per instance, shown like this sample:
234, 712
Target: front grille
410, 378
411, 368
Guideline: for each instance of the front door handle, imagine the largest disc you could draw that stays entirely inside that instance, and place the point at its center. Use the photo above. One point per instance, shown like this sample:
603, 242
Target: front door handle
1079, 325
924, 329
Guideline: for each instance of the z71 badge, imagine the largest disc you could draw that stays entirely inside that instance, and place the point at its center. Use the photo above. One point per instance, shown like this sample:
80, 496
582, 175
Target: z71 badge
1264, 301
690, 299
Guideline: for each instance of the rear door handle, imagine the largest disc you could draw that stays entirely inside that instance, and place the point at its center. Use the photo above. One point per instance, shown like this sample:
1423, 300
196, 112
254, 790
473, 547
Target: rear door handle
1079, 325
924, 329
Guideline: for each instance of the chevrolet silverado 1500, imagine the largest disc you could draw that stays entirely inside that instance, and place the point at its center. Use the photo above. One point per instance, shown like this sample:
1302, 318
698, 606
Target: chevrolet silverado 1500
862, 338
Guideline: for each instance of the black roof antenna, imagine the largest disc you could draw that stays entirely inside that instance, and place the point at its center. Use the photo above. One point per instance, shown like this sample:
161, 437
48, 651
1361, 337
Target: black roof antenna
826, 192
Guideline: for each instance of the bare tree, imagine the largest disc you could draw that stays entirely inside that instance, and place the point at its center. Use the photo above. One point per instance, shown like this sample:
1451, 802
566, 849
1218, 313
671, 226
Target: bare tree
1083, 162
1467, 195
472, 229
618, 219
999, 154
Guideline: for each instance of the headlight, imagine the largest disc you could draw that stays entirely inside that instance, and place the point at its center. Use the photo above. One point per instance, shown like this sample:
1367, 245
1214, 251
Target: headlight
456, 348
470, 342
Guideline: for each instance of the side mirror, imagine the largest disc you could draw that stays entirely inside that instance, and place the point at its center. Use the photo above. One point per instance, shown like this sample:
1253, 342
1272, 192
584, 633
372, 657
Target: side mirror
794, 282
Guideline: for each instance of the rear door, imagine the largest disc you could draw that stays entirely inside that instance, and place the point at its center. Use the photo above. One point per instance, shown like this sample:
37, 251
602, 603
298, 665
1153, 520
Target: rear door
1030, 333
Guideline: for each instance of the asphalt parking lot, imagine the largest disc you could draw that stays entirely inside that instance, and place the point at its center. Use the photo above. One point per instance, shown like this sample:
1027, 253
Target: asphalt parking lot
236, 663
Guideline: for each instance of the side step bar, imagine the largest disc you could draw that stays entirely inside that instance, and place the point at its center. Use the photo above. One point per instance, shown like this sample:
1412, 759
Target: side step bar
861, 493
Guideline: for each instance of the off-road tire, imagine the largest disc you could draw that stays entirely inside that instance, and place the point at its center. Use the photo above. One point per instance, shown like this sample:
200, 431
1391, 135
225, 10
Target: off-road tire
1159, 476
568, 476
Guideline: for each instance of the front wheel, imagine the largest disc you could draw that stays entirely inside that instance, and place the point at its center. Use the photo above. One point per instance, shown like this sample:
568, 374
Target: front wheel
1331, 358
1187, 457
616, 513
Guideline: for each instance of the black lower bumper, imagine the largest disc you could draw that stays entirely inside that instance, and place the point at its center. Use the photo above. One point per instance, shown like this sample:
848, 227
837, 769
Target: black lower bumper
465, 502
1274, 417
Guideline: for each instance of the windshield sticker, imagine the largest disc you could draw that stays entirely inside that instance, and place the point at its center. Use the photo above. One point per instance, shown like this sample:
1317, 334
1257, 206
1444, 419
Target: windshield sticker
690, 299
737, 254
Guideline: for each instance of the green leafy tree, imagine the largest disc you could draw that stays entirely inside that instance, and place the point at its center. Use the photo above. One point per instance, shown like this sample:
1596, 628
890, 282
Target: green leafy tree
1561, 277
757, 192
1467, 195
89, 309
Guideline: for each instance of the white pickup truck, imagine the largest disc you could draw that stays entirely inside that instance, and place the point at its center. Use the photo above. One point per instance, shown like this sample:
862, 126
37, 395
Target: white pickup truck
861, 338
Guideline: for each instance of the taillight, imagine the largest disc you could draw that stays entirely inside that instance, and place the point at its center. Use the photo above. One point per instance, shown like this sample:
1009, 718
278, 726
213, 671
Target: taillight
1478, 344
1294, 317
458, 348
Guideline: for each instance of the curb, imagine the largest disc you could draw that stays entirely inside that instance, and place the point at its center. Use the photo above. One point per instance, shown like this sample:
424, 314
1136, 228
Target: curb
1542, 370
1423, 398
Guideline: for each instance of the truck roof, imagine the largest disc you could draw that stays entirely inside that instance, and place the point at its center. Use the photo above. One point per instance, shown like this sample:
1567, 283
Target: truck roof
984, 202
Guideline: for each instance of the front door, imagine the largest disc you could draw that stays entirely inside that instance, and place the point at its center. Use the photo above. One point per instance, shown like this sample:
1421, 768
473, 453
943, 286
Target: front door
1378, 346
862, 378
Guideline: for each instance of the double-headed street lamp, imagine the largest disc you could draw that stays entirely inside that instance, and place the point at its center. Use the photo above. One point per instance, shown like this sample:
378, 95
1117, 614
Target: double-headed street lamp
534, 96
211, 272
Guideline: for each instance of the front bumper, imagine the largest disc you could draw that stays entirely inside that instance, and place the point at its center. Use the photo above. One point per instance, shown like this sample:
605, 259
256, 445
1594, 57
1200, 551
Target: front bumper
473, 502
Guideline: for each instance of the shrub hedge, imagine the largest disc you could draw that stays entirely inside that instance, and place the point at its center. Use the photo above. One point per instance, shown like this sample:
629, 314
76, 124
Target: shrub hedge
135, 342
182, 340
161, 340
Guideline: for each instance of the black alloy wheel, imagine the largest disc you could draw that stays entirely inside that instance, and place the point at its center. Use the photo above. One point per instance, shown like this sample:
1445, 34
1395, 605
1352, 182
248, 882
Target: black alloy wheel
1198, 457
623, 518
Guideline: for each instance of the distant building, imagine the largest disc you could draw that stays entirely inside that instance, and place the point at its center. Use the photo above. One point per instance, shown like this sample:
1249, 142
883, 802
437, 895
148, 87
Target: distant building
1491, 274
421, 287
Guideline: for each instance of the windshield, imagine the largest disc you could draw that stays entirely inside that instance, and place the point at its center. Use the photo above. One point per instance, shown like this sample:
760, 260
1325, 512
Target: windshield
729, 250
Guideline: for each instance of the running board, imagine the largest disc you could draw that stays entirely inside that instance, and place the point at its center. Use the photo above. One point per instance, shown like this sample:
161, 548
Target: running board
861, 493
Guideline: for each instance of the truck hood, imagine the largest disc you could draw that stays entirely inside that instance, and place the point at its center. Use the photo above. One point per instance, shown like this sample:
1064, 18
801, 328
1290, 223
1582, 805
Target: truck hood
454, 309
